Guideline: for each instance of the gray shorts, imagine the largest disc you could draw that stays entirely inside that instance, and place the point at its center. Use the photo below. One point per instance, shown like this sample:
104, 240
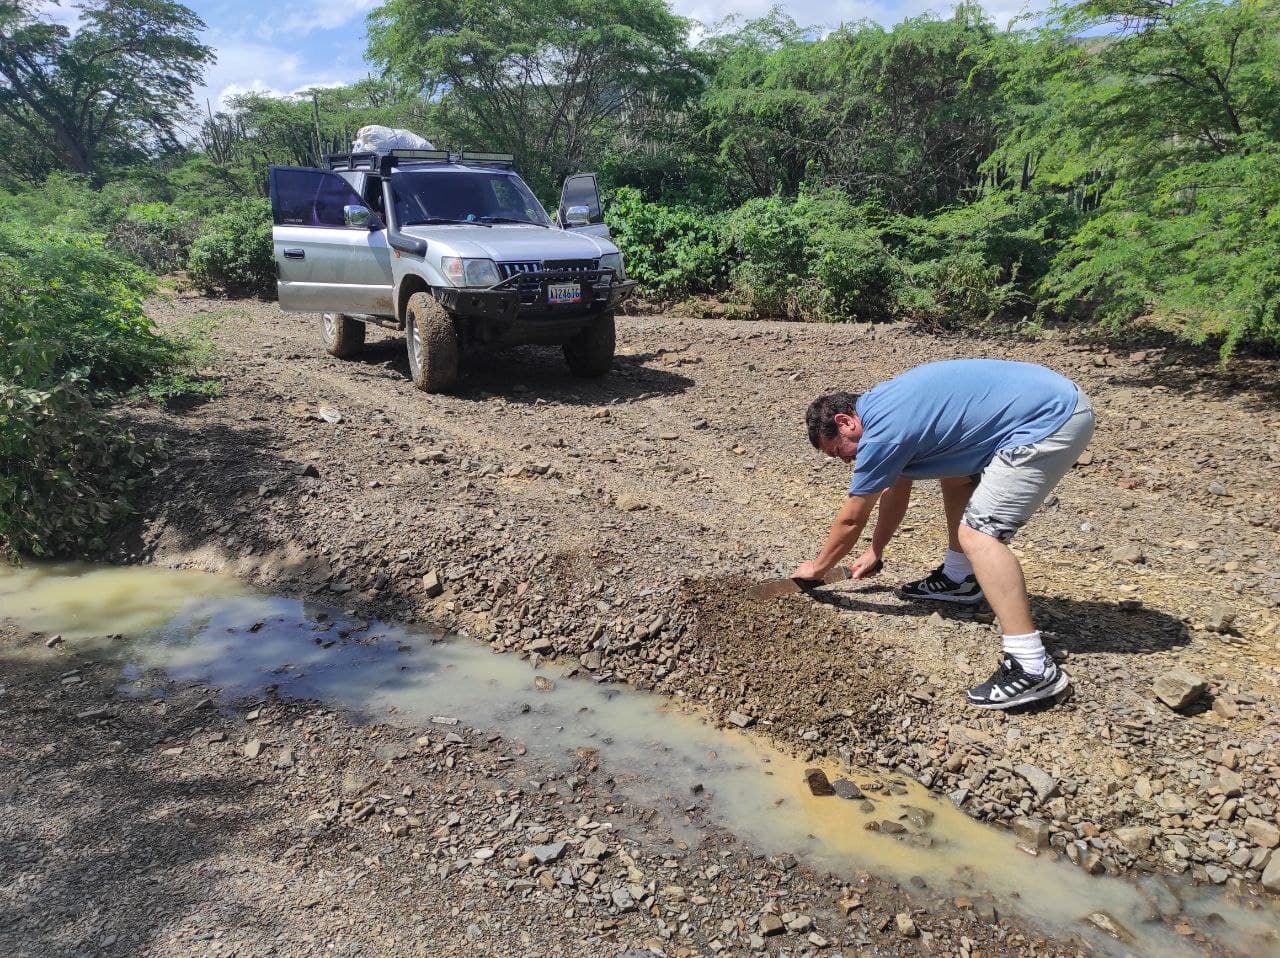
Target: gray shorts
1018, 480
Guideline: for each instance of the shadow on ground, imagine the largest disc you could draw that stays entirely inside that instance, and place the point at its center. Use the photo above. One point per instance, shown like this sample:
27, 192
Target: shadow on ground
99, 837
525, 374
181, 498
1081, 626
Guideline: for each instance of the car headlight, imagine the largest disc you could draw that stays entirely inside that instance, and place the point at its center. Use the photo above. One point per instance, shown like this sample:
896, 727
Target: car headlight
469, 272
613, 261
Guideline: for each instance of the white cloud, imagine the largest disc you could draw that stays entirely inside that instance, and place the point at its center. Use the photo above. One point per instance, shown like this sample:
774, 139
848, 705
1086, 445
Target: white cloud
246, 66
57, 12
302, 19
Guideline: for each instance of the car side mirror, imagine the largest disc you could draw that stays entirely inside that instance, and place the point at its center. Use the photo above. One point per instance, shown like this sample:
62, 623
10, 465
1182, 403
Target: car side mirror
360, 217
577, 216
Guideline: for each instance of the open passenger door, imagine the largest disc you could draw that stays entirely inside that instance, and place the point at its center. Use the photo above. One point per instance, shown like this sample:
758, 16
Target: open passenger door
580, 209
331, 250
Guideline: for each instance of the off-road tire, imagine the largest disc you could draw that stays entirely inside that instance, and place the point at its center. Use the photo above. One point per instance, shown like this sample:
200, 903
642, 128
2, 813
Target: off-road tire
343, 336
590, 353
431, 336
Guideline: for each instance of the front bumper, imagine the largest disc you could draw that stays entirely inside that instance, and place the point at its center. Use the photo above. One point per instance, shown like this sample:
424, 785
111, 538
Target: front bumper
524, 296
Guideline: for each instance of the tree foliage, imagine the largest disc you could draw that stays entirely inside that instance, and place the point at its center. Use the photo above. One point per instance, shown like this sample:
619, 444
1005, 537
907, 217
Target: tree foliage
110, 92
544, 79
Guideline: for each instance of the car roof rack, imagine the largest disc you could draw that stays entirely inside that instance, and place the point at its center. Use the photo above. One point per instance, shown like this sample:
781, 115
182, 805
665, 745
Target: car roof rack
384, 163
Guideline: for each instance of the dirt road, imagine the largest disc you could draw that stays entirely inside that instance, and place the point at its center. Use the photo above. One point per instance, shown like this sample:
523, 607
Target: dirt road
617, 523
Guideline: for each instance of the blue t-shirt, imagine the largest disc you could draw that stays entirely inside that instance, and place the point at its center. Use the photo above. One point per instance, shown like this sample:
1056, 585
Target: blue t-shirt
950, 418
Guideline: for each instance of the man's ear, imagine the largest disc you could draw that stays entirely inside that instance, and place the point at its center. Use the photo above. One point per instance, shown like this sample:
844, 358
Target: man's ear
843, 420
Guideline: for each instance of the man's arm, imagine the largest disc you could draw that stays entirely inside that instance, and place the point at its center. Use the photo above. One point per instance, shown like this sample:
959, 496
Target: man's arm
893, 506
845, 530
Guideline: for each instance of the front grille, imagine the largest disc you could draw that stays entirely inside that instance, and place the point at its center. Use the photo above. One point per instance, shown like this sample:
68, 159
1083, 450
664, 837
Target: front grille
510, 269
530, 287
571, 265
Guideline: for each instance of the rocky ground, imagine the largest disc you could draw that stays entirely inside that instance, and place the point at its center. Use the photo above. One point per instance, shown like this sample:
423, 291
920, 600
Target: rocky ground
163, 822
619, 523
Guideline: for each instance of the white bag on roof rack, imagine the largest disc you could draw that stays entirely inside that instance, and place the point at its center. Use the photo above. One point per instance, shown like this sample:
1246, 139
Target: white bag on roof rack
384, 139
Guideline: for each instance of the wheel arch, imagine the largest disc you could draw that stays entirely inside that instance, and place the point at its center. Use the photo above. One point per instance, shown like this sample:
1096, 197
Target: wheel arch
412, 283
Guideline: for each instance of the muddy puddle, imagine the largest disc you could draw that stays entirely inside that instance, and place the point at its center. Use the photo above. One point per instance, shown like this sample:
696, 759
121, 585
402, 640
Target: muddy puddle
215, 630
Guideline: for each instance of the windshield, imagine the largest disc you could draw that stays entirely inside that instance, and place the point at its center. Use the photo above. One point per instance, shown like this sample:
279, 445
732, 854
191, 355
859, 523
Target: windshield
464, 196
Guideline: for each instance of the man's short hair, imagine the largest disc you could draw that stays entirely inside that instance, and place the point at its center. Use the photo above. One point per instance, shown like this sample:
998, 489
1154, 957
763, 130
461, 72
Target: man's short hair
820, 417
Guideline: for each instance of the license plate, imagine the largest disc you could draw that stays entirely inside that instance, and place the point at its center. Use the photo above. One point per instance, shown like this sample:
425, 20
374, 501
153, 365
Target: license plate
563, 294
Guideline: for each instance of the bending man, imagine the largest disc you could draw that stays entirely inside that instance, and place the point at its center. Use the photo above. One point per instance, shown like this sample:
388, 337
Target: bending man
998, 435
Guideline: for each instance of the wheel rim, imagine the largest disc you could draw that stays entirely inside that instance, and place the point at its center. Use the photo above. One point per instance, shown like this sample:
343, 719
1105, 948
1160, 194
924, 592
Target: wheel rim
415, 346
330, 325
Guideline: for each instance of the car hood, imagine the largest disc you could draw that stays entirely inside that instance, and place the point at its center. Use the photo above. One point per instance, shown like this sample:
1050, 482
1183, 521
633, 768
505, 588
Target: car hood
510, 243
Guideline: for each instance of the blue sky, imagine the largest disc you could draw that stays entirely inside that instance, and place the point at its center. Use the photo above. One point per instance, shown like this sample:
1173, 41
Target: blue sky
283, 46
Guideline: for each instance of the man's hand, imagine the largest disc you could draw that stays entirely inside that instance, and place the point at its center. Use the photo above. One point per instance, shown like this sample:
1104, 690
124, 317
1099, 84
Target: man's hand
867, 565
809, 570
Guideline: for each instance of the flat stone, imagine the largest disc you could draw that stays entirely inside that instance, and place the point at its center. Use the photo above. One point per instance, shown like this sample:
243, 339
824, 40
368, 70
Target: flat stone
1136, 838
817, 781
1271, 875
594, 849
622, 900
252, 748
1179, 688
801, 923
1262, 832
919, 817
432, 585
1032, 832
1042, 783
906, 927
1101, 919
1130, 552
1231, 783
846, 789
771, 924
1220, 619
741, 720
546, 854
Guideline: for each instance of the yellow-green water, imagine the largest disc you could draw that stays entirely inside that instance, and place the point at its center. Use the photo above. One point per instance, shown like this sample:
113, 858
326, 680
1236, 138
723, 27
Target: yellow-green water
213, 629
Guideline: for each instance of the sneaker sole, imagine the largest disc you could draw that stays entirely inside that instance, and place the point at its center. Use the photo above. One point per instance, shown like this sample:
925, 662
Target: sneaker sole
956, 599
1035, 695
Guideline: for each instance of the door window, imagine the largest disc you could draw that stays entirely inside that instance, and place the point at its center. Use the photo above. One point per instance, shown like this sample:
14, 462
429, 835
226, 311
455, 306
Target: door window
580, 190
310, 198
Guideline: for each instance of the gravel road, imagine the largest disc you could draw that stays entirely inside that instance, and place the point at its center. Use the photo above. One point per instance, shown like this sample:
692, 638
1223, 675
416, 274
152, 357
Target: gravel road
617, 525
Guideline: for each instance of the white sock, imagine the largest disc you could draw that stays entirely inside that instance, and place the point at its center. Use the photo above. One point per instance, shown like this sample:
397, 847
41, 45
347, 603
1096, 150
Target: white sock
1028, 650
956, 566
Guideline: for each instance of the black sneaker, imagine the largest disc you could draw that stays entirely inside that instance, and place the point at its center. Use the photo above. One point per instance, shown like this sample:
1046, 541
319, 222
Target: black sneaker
940, 587
1011, 685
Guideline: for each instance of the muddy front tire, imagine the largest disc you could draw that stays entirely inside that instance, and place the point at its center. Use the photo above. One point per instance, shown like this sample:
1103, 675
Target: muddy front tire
431, 335
590, 353
343, 336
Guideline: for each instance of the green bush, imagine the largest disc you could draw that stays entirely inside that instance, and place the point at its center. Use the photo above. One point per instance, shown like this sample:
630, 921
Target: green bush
71, 326
1198, 256
671, 251
980, 260
156, 235
854, 275
67, 302
67, 469
811, 258
767, 242
233, 251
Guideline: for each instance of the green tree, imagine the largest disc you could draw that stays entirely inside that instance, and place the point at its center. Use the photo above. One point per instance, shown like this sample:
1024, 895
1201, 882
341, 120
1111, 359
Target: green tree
904, 116
543, 79
114, 89
257, 130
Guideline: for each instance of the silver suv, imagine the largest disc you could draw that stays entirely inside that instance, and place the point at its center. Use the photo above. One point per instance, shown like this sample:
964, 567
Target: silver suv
452, 248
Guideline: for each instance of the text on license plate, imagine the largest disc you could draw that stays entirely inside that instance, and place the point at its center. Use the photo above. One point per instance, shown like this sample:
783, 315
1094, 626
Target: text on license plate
560, 294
